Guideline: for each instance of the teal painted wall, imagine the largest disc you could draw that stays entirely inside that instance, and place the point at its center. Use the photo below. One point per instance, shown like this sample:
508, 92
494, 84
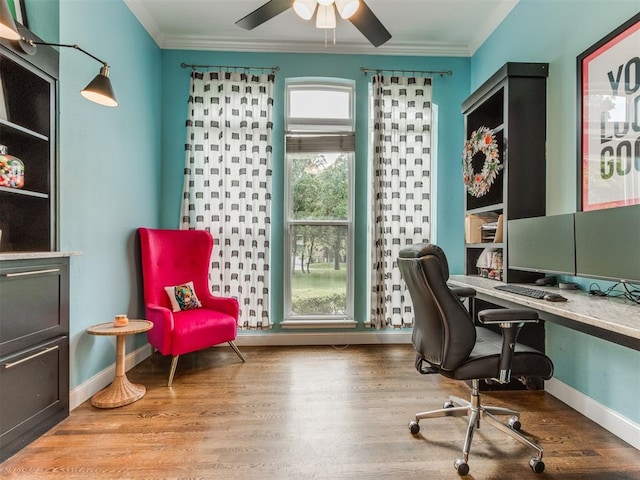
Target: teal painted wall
556, 32
43, 17
121, 168
448, 94
109, 170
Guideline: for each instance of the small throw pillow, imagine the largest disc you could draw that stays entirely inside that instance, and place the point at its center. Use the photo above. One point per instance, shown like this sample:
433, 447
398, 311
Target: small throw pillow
183, 297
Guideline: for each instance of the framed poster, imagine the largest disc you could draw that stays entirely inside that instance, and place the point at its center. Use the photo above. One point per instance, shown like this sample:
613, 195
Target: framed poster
609, 120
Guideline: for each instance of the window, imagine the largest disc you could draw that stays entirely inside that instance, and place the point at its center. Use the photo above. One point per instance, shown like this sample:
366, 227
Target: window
319, 232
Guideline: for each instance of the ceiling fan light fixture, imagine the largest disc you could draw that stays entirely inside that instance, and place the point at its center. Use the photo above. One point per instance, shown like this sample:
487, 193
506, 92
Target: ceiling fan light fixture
346, 8
326, 17
304, 8
356, 11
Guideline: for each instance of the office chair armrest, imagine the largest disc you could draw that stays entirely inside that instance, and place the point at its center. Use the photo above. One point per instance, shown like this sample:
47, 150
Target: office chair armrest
463, 292
510, 320
509, 315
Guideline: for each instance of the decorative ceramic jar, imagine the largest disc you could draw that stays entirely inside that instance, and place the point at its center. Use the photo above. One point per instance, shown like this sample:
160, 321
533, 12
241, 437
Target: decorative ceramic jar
11, 170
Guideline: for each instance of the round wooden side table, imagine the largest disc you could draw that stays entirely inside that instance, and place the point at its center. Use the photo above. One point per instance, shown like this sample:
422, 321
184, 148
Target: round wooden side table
121, 391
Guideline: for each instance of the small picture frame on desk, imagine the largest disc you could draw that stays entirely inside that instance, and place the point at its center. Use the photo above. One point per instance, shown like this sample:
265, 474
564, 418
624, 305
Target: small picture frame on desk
608, 116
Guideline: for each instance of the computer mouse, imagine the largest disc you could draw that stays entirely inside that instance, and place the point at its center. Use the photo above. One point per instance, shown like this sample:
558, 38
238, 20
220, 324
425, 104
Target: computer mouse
554, 297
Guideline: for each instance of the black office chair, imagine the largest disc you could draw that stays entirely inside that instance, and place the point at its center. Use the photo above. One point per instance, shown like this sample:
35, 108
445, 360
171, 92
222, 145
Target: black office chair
447, 342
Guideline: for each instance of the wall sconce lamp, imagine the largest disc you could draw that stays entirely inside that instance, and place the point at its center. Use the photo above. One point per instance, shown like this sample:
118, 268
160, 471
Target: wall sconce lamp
99, 89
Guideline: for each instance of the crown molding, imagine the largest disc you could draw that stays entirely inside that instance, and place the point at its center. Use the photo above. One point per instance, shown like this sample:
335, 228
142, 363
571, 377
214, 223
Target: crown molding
146, 21
219, 44
415, 48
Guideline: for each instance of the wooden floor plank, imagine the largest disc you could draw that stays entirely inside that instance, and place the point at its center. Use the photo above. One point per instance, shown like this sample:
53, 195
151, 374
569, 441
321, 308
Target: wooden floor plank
311, 413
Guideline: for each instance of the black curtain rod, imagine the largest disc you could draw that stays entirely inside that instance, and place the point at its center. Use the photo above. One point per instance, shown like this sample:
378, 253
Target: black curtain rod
448, 73
230, 67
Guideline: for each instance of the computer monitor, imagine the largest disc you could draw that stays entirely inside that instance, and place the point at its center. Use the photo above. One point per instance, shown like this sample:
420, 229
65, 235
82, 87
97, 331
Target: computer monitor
607, 244
542, 244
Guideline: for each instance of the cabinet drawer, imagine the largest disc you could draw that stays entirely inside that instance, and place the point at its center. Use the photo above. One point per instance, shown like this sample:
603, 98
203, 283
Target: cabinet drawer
34, 386
32, 304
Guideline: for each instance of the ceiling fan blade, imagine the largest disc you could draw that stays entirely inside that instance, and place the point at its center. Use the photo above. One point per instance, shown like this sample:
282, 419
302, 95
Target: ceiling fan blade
264, 13
369, 25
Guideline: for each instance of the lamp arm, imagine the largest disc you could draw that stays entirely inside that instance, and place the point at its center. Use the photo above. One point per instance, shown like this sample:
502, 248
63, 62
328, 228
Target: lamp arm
33, 42
99, 89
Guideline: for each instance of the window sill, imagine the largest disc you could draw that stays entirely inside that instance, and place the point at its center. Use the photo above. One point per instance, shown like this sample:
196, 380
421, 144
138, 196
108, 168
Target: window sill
319, 323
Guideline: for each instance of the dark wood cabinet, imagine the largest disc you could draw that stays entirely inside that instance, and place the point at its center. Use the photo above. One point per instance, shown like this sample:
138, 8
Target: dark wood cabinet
512, 104
34, 277
34, 349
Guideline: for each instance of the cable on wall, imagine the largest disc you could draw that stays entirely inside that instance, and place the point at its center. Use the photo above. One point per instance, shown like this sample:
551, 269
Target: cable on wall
230, 68
442, 73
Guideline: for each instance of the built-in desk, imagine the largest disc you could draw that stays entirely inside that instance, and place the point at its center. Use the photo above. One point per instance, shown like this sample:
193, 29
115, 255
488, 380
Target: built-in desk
614, 319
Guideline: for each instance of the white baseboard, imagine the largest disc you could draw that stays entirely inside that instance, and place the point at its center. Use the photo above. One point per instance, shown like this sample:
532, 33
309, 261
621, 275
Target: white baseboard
611, 420
259, 339
86, 390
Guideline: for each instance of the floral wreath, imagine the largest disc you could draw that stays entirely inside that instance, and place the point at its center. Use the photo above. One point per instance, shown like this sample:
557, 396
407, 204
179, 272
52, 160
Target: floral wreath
482, 140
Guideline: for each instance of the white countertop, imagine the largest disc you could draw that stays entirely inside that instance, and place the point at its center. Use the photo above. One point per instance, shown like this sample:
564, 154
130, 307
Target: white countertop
35, 255
613, 314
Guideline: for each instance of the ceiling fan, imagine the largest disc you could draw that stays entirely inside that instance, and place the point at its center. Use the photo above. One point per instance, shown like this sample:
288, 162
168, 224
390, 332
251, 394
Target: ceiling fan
357, 11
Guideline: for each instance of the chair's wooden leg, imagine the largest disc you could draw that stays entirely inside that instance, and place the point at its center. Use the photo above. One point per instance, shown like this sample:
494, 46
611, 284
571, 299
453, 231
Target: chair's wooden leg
174, 364
235, 349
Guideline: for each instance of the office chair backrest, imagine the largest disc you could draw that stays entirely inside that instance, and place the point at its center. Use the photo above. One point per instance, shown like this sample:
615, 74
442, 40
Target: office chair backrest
443, 331
174, 257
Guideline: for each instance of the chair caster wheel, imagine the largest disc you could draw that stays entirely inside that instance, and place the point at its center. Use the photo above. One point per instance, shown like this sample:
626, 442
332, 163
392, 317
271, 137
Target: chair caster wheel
536, 464
448, 404
514, 422
461, 466
414, 428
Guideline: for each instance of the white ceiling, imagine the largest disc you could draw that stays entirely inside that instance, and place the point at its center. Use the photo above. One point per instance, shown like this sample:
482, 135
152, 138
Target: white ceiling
418, 27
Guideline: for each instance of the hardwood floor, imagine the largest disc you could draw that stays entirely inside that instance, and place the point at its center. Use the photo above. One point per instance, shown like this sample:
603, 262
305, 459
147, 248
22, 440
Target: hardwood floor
311, 413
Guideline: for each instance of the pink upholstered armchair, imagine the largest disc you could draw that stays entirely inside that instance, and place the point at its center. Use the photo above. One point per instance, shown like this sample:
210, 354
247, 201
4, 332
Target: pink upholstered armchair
175, 257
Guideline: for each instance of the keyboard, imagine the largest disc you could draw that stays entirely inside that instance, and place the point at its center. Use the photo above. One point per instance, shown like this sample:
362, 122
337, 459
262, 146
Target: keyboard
526, 291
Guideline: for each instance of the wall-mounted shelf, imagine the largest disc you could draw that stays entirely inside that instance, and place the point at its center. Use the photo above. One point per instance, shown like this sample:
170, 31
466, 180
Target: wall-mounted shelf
15, 191
19, 128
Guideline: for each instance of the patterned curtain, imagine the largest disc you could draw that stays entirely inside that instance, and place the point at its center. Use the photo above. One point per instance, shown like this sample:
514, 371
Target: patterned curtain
401, 189
227, 183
